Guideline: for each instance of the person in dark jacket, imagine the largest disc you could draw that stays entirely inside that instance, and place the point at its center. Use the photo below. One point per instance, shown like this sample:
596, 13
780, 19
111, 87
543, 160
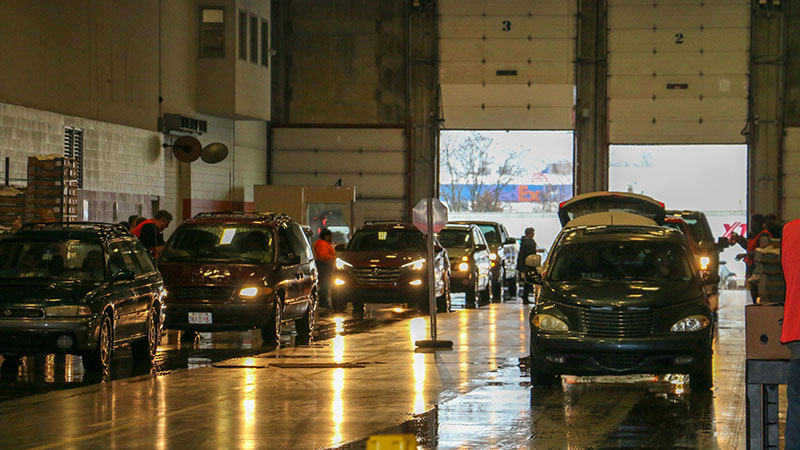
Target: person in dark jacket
527, 247
150, 232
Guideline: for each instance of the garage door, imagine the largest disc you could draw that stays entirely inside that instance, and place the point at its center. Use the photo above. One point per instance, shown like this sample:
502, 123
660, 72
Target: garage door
678, 71
372, 160
507, 64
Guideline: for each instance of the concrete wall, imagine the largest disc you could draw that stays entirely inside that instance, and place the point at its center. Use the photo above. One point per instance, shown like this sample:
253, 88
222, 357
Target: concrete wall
339, 62
85, 58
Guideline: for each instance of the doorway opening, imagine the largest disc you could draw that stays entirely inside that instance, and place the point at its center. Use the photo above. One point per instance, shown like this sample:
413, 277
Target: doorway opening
708, 178
517, 178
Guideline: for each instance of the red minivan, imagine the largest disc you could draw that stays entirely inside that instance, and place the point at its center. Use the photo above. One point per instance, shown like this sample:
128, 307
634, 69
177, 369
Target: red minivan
238, 271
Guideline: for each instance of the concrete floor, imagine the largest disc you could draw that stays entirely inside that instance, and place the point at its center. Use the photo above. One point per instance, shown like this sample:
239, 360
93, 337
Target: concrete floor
339, 391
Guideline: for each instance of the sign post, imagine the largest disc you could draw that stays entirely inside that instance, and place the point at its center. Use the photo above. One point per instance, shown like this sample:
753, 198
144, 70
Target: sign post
430, 216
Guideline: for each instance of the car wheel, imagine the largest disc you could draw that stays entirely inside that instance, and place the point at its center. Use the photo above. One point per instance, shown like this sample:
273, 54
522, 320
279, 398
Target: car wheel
100, 359
703, 379
540, 378
271, 334
497, 289
472, 294
145, 349
486, 294
443, 302
305, 325
512, 285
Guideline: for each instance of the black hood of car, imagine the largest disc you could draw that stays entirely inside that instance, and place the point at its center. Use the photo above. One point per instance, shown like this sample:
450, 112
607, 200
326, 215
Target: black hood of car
622, 294
43, 293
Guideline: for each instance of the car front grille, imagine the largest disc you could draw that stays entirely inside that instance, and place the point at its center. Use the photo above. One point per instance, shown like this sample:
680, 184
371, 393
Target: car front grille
21, 313
615, 323
202, 293
375, 275
619, 361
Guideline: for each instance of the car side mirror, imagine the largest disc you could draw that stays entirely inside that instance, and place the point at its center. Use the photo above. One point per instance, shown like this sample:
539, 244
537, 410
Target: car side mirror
534, 260
123, 275
480, 247
340, 247
511, 241
723, 242
291, 260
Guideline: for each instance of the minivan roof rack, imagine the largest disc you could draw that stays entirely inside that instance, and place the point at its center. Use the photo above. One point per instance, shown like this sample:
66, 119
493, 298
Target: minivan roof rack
264, 215
99, 226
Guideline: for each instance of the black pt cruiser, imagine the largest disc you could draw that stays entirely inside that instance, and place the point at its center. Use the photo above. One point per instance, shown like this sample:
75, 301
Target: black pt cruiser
621, 300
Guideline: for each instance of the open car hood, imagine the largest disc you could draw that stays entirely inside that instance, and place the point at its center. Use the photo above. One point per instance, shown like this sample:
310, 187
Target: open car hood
620, 205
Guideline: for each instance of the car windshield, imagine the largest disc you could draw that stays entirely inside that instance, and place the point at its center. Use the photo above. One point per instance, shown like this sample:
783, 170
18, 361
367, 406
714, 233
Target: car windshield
69, 260
387, 240
490, 233
630, 260
222, 242
455, 238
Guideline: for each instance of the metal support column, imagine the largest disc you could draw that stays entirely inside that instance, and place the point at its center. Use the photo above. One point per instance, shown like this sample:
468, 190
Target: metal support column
591, 128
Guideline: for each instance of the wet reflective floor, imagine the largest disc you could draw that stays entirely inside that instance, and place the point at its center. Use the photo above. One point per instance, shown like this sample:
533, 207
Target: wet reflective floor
366, 378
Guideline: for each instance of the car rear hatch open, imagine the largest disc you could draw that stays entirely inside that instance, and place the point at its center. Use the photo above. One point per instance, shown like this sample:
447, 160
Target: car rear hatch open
611, 202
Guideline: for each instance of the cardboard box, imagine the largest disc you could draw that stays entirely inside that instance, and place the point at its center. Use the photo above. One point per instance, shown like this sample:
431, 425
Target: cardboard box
762, 325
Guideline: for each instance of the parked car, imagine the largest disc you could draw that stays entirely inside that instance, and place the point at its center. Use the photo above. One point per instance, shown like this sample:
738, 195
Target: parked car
708, 247
80, 288
503, 253
385, 262
239, 271
470, 265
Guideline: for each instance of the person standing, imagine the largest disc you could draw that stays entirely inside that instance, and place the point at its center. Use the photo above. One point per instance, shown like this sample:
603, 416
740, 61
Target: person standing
756, 231
325, 256
527, 247
151, 232
790, 334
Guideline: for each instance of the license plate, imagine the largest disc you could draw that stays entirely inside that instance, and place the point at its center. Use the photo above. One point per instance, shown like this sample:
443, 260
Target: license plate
202, 318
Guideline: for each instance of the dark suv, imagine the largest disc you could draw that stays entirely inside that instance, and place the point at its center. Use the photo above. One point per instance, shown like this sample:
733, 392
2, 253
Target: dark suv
470, 265
503, 254
238, 271
385, 263
618, 300
80, 288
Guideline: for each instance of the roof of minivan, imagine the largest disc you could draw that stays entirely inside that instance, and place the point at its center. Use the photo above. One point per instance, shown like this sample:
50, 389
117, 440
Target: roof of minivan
612, 232
610, 218
475, 222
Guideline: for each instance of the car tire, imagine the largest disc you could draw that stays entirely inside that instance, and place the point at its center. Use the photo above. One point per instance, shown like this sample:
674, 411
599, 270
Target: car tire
145, 349
540, 378
271, 334
703, 379
338, 305
100, 359
512, 285
305, 325
497, 290
486, 294
471, 295
443, 302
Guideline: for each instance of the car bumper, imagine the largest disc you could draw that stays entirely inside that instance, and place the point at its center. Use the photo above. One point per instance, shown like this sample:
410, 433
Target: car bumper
381, 294
33, 336
576, 355
224, 317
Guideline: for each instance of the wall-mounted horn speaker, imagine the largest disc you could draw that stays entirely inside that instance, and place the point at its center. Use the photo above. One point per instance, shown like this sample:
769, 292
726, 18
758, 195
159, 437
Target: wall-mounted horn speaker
186, 149
214, 153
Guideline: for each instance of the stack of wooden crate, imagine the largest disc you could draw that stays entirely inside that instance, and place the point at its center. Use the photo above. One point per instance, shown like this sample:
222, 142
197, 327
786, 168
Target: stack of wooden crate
12, 206
52, 185
771, 287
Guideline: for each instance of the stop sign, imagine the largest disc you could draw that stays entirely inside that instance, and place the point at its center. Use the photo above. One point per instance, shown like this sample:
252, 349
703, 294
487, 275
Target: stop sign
420, 215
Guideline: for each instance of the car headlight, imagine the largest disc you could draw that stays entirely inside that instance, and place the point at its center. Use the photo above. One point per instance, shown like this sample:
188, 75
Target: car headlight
67, 311
342, 264
463, 267
546, 322
704, 262
248, 292
415, 265
688, 324
493, 256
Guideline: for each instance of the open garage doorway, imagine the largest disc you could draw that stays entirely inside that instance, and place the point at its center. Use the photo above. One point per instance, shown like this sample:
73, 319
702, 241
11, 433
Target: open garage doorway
517, 178
708, 178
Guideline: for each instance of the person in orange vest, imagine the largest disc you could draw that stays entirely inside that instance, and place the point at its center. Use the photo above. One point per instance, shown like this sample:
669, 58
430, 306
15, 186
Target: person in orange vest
151, 232
325, 256
790, 333
757, 230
